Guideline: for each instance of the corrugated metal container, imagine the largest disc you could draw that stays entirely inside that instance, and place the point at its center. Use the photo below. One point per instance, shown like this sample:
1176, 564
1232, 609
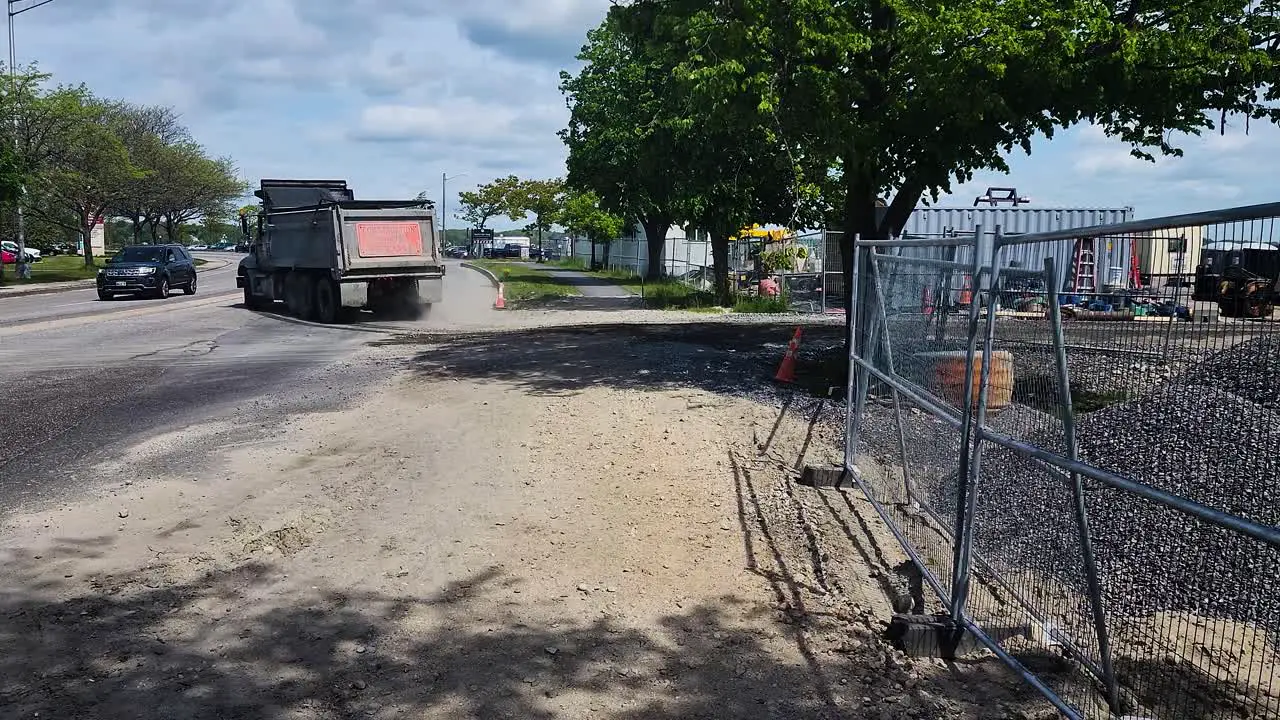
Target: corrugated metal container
941, 221
1112, 254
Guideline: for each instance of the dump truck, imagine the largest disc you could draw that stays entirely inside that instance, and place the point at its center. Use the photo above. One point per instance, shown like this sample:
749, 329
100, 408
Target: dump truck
319, 250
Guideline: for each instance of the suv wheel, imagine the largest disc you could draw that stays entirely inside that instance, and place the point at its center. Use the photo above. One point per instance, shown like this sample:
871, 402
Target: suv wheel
162, 292
104, 295
190, 289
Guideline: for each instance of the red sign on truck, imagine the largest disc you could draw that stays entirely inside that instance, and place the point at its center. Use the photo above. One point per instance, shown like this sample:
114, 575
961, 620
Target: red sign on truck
388, 239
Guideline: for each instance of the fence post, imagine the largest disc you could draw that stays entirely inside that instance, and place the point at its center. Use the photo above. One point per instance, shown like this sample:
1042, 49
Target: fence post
960, 592
853, 405
822, 268
1077, 486
960, 563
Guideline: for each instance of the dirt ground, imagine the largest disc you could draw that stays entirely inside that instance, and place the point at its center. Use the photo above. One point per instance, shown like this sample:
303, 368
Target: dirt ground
491, 531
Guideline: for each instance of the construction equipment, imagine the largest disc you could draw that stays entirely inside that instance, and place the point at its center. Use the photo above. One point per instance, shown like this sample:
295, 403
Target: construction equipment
319, 250
1242, 277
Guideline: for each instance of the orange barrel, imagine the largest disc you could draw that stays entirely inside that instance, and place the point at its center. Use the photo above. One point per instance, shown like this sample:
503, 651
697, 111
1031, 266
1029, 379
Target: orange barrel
949, 374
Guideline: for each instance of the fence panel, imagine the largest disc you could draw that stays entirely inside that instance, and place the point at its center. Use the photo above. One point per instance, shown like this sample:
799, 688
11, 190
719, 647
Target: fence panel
1084, 462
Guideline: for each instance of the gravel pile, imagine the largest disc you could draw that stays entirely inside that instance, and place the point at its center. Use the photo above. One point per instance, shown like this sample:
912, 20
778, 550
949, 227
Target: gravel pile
1250, 370
1186, 440
1213, 447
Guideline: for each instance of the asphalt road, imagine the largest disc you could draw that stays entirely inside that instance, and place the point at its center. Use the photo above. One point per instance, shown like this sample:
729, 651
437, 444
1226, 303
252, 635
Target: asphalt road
220, 277
80, 383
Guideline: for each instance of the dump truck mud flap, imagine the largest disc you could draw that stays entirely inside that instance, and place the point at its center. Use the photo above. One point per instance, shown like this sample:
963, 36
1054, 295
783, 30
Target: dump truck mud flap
431, 290
354, 294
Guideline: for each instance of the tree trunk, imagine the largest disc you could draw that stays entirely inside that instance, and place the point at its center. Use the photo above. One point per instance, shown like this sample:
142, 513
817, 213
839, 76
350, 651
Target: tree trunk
606, 254
86, 232
136, 222
155, 230
720, 265
655, 238
593, 254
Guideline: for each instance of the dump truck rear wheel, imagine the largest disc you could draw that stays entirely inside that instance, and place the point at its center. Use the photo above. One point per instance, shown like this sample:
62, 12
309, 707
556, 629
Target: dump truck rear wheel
251, 301
326, 301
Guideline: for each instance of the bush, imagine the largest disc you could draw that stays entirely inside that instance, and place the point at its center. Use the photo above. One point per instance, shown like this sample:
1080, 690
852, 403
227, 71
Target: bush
673, 295
757, 304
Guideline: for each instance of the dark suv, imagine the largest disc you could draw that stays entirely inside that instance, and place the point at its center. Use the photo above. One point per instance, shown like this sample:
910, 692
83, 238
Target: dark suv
147, 270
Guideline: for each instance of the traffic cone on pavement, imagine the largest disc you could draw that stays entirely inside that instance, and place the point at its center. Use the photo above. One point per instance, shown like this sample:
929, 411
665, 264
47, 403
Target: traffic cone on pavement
499, 302
787, 370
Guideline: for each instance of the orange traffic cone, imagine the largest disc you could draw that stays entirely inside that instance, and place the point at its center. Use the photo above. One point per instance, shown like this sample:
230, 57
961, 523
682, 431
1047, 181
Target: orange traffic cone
926, 301
499, 302
966, 295
787, 370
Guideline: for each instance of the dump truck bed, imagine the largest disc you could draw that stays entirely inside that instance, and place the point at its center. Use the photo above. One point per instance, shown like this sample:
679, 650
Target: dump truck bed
358, 239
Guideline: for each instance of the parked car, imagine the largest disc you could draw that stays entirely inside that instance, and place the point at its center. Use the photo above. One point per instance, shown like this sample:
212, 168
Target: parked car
198, 247
32, 254
8, 258
151, 270
242, 247
53, 249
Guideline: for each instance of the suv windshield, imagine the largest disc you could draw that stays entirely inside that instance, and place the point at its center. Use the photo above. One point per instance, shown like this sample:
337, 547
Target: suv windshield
140, 253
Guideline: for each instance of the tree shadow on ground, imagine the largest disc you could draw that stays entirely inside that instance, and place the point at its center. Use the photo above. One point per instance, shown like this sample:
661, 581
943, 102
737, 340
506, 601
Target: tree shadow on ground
727, 358
218, 647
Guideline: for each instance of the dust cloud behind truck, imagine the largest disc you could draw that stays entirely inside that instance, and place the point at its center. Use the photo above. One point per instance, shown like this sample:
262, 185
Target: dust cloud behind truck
319, 250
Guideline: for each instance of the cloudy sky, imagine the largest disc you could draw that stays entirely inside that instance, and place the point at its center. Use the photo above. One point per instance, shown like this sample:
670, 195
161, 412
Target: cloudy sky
389, 94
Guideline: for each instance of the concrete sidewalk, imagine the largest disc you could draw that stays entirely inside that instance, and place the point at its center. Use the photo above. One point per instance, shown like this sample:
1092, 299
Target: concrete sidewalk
592, 286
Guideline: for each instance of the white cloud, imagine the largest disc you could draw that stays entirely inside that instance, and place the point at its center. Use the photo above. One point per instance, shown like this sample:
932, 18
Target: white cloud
390, 93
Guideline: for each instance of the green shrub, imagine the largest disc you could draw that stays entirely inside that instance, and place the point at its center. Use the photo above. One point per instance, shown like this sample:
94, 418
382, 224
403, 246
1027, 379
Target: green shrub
757, 304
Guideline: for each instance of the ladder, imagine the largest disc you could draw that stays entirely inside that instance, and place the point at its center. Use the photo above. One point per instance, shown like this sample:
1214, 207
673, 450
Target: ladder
1083, 269
1135, 271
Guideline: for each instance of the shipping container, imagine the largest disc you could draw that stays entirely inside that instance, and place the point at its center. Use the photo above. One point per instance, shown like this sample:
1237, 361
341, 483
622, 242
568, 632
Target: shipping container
1112, 255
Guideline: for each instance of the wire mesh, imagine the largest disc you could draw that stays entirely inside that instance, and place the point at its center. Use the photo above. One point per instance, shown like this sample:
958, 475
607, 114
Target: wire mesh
1158, 351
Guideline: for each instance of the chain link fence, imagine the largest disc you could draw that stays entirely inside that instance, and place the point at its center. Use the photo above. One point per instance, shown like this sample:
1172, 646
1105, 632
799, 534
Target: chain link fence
690, 261
1083, 459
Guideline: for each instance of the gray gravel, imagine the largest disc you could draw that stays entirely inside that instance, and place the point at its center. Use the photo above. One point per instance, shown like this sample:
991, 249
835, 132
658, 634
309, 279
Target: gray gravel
1212, 435
1250, 370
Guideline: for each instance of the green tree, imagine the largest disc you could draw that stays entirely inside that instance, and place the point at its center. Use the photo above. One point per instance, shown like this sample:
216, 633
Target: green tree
490, 200
191, 185
87, 173
542, 199
582, 216
619, 144
39, 120
148, 132
898, 99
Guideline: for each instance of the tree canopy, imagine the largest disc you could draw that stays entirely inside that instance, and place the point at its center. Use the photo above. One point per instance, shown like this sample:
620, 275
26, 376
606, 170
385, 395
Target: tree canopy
82, 159
901, 99
541, 199
490, 200
710, 112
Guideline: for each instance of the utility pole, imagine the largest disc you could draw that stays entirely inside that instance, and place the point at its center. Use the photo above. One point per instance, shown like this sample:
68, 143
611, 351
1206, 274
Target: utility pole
23, 269
444, 208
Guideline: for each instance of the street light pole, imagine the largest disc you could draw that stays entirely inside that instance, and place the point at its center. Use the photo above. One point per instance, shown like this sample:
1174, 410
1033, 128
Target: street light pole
23, 269
444, 207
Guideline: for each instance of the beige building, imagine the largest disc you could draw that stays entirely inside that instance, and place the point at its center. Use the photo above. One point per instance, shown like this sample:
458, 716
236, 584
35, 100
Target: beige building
1170, 252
